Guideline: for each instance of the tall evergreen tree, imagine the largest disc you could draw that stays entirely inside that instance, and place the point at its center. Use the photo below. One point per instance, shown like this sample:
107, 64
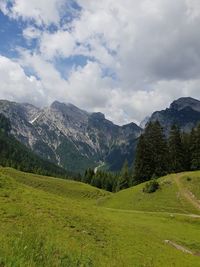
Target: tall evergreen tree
89, 174
186, 142
195, 146
159, 150
176, 152
124, 178
142, 165
151, 155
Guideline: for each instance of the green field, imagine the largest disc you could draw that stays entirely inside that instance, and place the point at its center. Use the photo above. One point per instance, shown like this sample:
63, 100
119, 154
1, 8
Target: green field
52, 222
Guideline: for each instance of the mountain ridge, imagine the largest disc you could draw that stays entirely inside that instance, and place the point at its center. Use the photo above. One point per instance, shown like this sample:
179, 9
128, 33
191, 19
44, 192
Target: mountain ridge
65, 134
76, 139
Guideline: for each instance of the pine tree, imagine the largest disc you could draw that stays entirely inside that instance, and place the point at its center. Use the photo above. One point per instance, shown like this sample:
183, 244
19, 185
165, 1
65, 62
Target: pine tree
186, 142
89, 174
176, 152
159, 150
195, 146
142, 166
124, 178
151, 155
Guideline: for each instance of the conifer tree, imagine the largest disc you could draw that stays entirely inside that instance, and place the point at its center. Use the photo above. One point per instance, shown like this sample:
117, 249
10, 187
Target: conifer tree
195, 145
89, 174
151, 155
186, 142
159, 150
176, 152
124, 178
142, 166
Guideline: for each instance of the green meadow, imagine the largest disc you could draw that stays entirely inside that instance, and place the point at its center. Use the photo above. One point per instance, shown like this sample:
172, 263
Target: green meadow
51, 222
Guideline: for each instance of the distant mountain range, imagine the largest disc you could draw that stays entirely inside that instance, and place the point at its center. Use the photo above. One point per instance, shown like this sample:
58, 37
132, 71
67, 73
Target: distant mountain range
67, 135
76, 139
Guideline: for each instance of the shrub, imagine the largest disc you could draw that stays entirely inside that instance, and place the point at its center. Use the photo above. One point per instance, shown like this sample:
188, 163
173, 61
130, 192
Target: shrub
151, 187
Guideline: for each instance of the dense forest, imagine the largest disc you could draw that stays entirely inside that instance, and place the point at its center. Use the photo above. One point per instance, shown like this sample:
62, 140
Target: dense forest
109, 181
16, 155
158, 155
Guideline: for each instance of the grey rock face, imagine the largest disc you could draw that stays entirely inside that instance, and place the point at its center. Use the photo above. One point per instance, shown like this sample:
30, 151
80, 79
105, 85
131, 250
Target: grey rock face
65, 134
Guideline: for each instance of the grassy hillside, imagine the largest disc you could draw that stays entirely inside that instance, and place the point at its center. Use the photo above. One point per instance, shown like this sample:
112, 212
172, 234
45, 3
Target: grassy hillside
51, 222
168, 198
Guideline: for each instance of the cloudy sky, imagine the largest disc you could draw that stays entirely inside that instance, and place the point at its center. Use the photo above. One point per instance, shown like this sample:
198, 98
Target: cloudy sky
125, 58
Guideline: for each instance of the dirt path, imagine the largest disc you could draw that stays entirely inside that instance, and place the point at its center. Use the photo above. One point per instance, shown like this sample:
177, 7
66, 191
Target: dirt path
186, 193
181, 248
195, 216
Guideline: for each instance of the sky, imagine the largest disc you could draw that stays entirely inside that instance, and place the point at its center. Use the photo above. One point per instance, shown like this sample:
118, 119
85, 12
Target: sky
124, 58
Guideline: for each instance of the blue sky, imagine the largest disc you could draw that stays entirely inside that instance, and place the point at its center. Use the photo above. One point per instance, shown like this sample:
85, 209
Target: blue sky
10, 35
123, 58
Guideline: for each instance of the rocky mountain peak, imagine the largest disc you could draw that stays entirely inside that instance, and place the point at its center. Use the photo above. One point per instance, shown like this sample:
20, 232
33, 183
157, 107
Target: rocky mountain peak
184, 112
131, 126
98, 116
67, 113
186, 102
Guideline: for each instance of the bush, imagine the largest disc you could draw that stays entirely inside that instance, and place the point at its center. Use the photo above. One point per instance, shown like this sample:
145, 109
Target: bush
151, 187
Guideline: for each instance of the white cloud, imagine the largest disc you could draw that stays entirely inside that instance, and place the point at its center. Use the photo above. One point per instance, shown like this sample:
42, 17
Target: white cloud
85, 86
152, 47
88, 88
41, 11
30, 33
16, 85
59, 44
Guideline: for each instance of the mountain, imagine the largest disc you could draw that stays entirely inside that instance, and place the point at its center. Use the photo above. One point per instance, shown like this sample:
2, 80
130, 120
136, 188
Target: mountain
15, 154
184, 112
70, 137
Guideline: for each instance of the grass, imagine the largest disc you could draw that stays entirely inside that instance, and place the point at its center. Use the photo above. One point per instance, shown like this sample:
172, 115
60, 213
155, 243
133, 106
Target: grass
52, 222
191, 181
166, 199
